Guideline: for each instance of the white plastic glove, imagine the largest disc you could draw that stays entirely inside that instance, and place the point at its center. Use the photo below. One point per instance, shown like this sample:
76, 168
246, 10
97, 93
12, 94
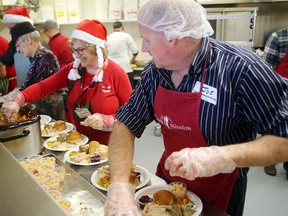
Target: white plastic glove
12, 103
191, 163
99, 121
120, 200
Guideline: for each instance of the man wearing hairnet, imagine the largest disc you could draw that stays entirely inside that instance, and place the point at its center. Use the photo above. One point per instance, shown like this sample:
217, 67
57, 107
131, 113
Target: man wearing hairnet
214, 97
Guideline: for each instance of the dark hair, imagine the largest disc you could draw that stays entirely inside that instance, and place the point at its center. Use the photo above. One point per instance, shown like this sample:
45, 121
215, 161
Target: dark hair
117, 24
20, 29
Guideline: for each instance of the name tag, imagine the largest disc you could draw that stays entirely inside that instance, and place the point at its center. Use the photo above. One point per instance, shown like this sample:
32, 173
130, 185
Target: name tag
82, 113
209, 93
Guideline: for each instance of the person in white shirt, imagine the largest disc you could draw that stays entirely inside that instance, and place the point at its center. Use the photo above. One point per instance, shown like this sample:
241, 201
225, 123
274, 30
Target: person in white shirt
118, 46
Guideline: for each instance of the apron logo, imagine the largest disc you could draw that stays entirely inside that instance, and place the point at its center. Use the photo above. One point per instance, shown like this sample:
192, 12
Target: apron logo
165, 120
106, 88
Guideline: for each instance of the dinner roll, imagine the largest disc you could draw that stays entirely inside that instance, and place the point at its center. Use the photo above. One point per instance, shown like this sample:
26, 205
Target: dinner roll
93, 145
74, 136
163, 197
60, 125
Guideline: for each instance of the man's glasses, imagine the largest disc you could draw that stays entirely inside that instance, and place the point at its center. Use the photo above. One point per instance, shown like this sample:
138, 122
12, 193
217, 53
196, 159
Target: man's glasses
19, 42
78, 51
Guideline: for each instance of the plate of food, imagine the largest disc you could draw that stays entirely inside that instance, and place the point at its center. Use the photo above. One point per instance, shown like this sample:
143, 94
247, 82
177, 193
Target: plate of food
87, 155
168, 200
139, 177
45, 119
65, 141
54, 128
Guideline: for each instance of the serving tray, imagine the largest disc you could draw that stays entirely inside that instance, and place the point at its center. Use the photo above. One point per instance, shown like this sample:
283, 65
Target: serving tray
84, 198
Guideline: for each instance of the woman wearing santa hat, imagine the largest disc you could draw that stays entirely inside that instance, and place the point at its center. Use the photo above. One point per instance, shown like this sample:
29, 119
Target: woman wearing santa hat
12, 17
97, 86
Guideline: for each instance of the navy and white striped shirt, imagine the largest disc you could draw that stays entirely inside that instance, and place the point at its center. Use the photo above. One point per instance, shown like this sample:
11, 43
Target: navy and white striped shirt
250, 95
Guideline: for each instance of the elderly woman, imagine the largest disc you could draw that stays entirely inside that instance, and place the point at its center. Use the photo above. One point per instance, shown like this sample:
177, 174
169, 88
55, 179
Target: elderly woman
97, 87
43, 64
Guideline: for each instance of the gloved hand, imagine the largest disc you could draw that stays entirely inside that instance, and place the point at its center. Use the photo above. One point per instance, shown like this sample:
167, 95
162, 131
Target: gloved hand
100, 122
190, 163
12, 103
120, 200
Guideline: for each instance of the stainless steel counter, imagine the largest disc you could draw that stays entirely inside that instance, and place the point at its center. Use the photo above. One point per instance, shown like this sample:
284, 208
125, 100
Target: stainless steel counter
86, 172
22, 195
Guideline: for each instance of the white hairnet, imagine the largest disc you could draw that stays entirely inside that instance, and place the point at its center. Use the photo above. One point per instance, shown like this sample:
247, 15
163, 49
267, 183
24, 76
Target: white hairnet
176, 18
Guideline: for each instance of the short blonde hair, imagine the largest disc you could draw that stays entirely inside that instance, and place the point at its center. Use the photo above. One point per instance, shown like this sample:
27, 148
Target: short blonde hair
90, 47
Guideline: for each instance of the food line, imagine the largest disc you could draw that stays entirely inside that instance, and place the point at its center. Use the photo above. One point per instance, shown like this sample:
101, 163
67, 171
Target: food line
86, 172
79, 175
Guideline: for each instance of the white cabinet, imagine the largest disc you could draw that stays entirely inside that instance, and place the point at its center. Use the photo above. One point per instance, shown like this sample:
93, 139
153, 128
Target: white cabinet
235, 25
8, 2
71, 12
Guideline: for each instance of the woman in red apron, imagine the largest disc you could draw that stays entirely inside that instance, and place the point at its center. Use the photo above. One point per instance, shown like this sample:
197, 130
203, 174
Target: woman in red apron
97, 87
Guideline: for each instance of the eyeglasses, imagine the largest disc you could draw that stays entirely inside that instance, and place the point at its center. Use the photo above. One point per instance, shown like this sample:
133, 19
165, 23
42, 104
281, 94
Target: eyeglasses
18, 44
79, 51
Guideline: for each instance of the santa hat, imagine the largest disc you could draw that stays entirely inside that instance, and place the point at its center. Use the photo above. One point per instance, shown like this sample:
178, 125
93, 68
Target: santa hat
17, 15
94, 32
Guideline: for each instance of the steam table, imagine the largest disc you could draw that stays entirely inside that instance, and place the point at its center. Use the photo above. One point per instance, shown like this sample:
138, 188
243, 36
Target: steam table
86, 172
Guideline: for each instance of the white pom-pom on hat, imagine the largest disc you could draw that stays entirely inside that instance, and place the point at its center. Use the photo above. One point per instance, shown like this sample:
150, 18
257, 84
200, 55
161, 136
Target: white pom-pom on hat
73, 74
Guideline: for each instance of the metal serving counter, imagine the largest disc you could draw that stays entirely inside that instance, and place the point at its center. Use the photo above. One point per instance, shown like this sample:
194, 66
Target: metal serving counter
22, 195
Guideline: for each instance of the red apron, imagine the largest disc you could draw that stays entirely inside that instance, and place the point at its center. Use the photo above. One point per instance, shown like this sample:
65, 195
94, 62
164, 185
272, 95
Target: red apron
178, 113
83, 96
282, 67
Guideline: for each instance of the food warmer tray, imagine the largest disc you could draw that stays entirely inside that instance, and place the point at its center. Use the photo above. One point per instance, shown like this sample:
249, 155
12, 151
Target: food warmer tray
84, 197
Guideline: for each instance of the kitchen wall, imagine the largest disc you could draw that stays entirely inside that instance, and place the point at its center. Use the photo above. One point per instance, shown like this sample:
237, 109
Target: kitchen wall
130, 27
270, 17
87, 11
212, 2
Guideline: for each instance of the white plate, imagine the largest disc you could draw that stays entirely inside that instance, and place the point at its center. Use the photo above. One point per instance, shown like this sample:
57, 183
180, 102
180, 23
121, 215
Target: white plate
67, 158
66, 146
69, 128
144, 178
151, 190
45, 119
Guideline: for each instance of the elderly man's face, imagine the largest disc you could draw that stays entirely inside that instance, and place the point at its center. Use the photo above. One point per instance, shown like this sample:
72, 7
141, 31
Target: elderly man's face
157, 45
